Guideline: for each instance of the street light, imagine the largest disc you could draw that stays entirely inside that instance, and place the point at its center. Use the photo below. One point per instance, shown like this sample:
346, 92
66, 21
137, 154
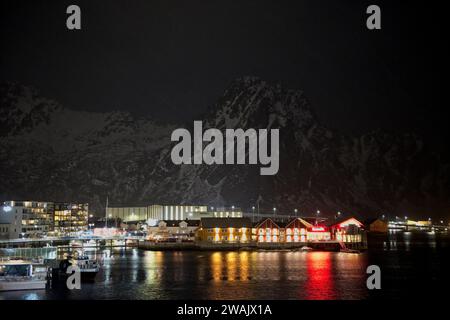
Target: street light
295, 210
406, 218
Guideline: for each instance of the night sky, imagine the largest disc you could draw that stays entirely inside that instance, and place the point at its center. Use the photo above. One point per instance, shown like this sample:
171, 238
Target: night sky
172, 59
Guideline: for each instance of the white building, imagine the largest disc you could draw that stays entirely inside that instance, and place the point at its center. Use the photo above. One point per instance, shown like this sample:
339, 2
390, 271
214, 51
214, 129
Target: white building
10, 222
173, 230
171, 212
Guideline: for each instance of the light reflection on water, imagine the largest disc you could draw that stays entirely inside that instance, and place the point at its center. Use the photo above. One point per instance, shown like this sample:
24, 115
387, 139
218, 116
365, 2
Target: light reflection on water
135, 274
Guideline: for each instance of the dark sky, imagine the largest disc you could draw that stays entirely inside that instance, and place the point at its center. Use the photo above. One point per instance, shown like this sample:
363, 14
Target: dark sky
171, 59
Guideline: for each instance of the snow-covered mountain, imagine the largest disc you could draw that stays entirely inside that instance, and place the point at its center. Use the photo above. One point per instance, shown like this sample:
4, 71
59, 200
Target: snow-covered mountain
50, 152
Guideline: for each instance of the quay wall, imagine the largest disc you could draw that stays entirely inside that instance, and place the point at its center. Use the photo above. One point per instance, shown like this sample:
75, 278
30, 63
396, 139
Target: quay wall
321, 246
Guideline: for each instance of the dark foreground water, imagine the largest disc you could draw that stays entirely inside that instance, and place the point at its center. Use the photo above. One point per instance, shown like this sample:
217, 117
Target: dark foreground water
412, 265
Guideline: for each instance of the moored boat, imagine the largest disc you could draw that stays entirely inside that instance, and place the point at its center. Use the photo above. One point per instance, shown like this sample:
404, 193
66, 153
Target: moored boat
88, 267
18, 274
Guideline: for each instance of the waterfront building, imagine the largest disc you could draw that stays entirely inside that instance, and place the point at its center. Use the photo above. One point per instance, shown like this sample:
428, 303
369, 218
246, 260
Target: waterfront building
296, 230
181, 212
10, 222
347, 230
376, 225
33, 218
424, 223
224, 230
8, 231
318, 233
37, 218
270, 231
70, 217
173, 230
126, 214
158, 212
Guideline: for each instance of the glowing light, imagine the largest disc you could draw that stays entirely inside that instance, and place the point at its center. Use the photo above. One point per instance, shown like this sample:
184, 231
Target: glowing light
351, 221
7, 208
317, 229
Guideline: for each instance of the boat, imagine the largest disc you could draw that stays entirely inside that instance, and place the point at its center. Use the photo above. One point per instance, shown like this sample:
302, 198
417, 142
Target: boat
76, 244
88, 267
19, 274
305, 248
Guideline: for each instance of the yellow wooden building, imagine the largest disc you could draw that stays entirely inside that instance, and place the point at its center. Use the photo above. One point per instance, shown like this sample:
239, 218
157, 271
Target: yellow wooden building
224, 230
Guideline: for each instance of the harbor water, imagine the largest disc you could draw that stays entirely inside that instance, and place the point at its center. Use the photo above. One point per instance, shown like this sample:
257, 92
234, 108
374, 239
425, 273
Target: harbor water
412, 265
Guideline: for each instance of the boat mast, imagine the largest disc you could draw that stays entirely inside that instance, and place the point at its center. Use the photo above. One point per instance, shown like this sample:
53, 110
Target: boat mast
106, 213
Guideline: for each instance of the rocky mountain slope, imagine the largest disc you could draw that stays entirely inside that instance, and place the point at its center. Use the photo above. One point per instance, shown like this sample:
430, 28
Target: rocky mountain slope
50, 152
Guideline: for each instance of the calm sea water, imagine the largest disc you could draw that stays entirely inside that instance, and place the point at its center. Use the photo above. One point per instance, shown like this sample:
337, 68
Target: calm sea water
411, 265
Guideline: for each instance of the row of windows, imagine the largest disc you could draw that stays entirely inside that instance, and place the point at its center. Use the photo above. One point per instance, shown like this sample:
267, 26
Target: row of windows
227, 230
4, 229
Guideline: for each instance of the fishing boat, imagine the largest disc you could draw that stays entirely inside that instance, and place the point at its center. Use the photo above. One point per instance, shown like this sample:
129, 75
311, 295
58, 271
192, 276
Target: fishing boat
19, 274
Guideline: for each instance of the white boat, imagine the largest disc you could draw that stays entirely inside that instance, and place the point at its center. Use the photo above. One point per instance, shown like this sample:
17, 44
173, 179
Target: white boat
305, 248
88, 267
18, 274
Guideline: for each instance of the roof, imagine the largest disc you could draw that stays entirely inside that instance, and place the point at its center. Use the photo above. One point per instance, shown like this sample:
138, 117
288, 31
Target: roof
283, 224
372, 220
300, 220
176, 223
341, 220
226, 223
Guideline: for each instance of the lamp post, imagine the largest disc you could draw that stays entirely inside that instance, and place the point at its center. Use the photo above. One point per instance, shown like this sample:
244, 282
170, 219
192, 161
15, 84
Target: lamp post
253, 214
295, 211
274, 212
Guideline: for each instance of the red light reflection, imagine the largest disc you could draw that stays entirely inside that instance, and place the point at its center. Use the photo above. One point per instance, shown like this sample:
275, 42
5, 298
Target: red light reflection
319, 284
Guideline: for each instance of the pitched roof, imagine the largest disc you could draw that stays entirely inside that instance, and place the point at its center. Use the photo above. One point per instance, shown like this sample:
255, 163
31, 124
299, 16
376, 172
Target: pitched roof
372, 220
176, 223
226, 223
341, 220
300, 220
